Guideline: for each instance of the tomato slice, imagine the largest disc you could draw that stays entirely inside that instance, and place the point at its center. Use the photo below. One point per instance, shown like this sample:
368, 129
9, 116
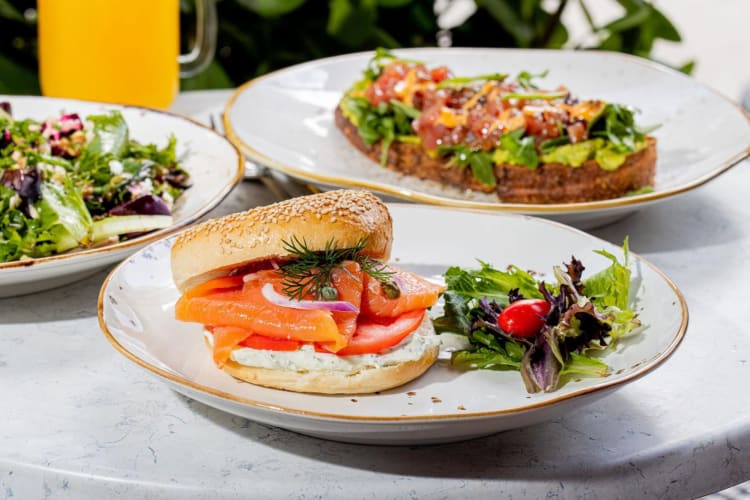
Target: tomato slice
270, 344
372, 337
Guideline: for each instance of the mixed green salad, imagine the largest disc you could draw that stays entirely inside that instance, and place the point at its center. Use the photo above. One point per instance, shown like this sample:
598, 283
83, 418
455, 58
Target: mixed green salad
550, 332
68, 183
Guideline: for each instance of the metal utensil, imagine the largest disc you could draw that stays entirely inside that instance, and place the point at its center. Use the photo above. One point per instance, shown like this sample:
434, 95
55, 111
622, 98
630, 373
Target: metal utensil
282, 186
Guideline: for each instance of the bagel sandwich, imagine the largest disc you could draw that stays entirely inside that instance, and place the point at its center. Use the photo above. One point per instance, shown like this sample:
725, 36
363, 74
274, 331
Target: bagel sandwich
298, 296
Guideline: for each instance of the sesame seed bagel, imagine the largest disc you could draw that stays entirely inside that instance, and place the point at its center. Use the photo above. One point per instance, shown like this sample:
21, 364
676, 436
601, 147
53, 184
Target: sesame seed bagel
218, 246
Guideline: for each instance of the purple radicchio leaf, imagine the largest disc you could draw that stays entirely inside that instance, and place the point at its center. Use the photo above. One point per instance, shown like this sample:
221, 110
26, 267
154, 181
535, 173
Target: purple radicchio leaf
148, 204
575, 270
590, 327
5, 106
26, 183
5, 139
484, 317
540, 368
514, 294
178, 179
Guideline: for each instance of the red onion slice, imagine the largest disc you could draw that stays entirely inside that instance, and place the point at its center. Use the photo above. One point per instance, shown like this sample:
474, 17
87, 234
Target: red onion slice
276, 298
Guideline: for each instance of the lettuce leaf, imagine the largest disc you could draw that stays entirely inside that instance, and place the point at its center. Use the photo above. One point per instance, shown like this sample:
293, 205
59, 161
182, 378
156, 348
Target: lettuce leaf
63, 214
110, 135
610, 286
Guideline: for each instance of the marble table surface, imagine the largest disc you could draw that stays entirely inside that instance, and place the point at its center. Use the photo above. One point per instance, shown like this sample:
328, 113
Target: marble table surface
78, 420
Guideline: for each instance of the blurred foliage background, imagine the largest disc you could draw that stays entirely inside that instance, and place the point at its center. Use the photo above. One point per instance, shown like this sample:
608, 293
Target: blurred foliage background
257, 36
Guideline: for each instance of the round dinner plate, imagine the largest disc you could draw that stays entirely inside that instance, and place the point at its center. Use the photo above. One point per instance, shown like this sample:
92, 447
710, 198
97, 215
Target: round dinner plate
136, 313
214, 164
285, 120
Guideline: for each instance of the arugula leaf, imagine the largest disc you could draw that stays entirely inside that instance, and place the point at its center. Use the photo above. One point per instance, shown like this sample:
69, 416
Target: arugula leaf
385, 122
480, 162
616, 124
379, 60
517, 150
482, 169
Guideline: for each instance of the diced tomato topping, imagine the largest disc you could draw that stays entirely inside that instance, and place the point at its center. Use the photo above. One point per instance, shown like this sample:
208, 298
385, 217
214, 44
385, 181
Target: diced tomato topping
439, 74
577, 132
544, 125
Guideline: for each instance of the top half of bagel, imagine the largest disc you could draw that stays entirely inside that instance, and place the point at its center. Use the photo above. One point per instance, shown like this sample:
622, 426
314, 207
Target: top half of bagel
342, 218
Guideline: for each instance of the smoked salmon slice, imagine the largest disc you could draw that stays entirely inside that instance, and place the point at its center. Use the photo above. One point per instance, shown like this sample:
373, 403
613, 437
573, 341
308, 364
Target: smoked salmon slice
349, 283
246, 308
416, 293
227, 338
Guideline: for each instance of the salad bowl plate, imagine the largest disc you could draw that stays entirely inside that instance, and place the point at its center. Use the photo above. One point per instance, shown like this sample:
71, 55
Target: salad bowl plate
136, 314
214, 164
701, 134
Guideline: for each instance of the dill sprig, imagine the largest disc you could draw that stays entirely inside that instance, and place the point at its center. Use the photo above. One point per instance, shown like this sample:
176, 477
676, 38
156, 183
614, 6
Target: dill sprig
309, 272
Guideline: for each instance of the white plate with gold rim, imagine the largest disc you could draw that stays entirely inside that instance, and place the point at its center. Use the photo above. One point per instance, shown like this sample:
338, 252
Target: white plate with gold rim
214, 164
136, 314
285, 120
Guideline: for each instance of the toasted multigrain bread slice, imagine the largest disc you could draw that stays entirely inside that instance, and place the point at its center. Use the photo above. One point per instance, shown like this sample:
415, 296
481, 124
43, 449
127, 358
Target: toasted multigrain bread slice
549, 183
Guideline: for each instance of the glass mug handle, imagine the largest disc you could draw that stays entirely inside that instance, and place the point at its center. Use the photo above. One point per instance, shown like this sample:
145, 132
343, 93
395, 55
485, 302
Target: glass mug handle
202, 53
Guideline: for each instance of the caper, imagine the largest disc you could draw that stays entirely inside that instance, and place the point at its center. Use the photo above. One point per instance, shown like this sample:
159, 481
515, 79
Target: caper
329, 293
390, 289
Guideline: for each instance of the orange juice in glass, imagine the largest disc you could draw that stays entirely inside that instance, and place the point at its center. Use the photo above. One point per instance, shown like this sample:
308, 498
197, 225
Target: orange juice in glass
123, 51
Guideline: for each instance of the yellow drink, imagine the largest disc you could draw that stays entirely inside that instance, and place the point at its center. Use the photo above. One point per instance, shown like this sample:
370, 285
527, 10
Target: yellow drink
120, 51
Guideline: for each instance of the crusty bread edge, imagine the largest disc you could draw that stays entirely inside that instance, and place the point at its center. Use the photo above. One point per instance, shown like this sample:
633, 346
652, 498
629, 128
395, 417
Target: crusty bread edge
361, 381
216, 247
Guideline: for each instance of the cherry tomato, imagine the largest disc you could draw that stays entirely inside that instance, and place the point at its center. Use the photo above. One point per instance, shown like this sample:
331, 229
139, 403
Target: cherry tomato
524, 318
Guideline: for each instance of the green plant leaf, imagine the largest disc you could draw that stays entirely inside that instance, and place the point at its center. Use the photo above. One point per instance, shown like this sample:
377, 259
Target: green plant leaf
352, 22
271, 8
687, 67
393, 3
664, 27
17, 79
213, 77
629, 20
507, 17
8, 11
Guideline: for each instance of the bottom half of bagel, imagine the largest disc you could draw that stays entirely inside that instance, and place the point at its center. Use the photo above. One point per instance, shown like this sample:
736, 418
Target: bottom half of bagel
309, 371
